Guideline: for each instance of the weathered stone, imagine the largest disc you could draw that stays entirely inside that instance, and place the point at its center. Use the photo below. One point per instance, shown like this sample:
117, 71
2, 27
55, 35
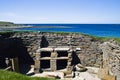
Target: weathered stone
80, 68
110, 59
87, 45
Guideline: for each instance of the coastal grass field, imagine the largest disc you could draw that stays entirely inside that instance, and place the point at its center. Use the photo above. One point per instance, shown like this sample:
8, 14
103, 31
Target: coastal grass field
8, 75
2, 24
103, 39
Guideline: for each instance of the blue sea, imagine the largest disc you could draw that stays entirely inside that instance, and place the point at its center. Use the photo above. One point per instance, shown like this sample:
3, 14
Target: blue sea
101, 30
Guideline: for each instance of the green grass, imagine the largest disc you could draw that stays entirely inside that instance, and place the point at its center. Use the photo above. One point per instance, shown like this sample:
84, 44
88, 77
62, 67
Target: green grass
103, 39
7, 24
3, 22
117, 39
8, 75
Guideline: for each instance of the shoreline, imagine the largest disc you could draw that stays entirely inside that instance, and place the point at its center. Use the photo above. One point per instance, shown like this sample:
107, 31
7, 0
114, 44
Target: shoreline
8, 29
95, 30
18, 27
13, 27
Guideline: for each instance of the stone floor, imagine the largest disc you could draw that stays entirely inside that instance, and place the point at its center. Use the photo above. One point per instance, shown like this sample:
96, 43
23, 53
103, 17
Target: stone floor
90, 74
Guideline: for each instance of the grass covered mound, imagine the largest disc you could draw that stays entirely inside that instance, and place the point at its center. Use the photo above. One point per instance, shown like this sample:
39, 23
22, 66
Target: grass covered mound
8, 75
8, 24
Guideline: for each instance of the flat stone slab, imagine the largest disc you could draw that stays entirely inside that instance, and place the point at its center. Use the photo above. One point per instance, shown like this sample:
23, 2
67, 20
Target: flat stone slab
62, 49
49, 74
56, 49
46, 49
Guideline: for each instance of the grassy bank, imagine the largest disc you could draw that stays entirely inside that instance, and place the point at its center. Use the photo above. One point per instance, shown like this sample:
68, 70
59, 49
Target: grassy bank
8, 24
102, 39
8, 75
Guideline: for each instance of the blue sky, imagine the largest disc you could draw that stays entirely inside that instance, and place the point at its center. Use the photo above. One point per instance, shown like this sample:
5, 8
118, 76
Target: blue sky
60, 11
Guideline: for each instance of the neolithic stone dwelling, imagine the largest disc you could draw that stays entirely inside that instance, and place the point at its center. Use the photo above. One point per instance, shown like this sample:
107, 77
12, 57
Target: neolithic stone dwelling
25, 45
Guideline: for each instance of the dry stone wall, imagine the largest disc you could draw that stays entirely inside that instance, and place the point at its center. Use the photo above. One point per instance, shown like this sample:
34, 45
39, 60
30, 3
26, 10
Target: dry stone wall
93, 52
111, 58
90, 54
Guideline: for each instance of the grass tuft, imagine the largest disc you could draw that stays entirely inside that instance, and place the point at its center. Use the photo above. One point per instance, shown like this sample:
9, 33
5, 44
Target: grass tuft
8, 75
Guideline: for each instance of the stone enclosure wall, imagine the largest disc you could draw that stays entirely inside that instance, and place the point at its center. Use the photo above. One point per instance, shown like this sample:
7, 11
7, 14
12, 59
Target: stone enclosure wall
93, 52
111, 58
90, 54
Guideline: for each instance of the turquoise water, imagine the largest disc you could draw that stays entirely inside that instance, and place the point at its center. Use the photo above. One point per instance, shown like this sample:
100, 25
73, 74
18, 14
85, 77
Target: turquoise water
102, 30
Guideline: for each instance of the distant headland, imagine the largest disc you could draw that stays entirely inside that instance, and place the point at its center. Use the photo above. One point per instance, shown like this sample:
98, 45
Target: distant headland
4, 25
101, 30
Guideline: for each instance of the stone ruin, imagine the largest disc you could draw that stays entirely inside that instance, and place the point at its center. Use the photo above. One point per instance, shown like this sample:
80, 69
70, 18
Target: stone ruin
111, 60
14, 55
47, 58
53, 58
67, 50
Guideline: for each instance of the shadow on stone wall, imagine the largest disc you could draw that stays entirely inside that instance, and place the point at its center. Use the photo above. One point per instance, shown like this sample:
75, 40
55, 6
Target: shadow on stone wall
75, 59
14, 47
44, 42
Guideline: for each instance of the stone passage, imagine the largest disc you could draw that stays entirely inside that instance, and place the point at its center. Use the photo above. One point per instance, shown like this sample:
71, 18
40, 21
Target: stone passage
52, 59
